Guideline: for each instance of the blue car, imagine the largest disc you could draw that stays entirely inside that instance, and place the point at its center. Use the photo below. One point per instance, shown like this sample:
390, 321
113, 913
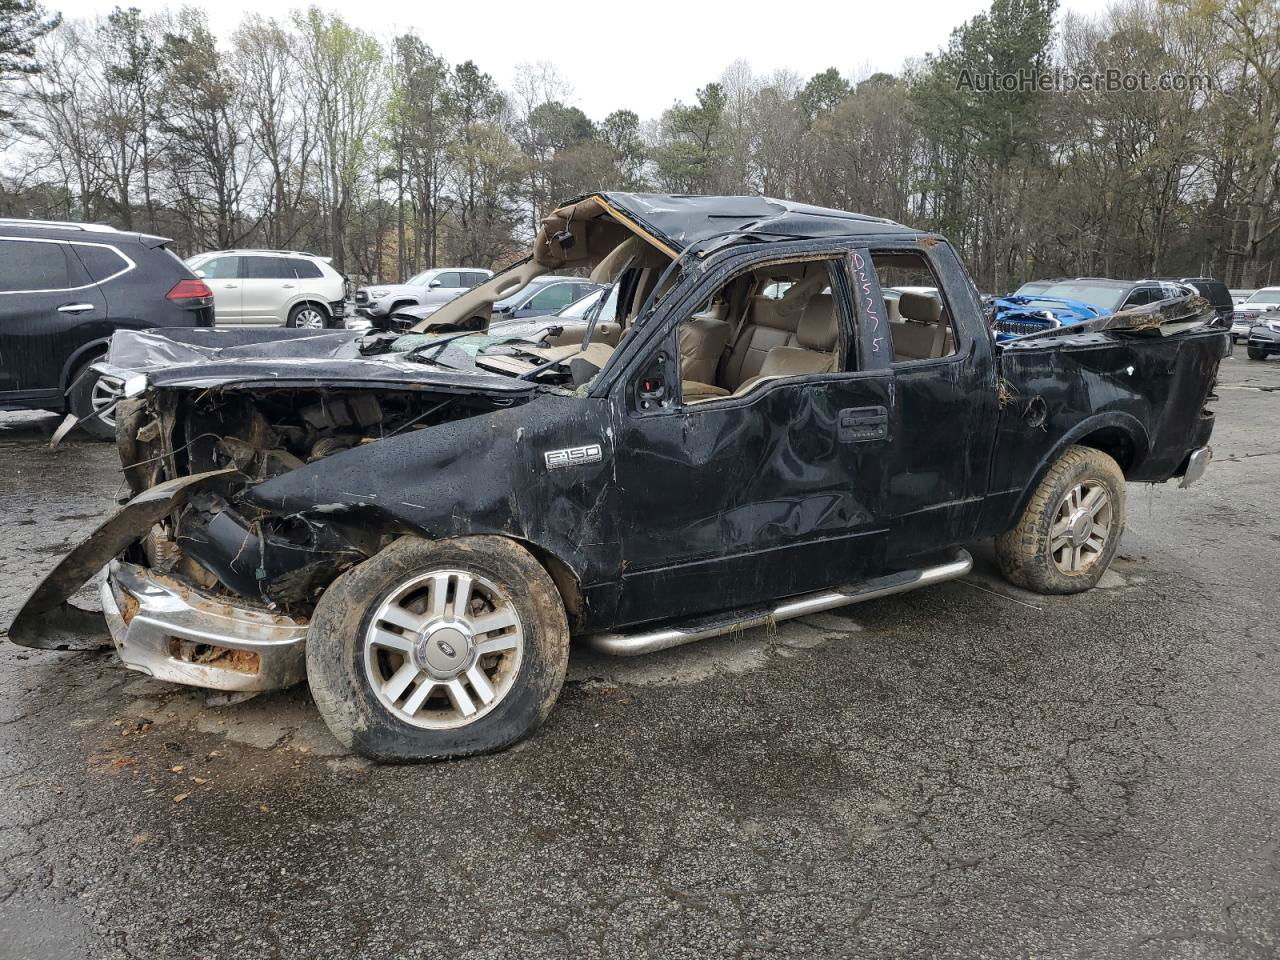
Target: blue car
1017, 316
1043, 305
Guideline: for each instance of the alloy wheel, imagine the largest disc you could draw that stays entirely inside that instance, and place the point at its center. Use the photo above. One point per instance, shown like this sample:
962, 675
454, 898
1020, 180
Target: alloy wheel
443, 649
309, 318
1081, 526
106, 393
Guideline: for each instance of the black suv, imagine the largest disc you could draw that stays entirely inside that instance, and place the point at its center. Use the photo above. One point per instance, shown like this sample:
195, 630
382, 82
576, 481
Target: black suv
1216, 292
64, 289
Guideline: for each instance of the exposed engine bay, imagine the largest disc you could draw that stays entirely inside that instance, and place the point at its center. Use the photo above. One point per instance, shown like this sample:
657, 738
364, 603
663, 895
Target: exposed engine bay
217, 542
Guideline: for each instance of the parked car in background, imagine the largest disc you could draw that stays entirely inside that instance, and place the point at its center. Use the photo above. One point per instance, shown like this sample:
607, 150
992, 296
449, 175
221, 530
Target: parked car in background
542, 297
278, 287
1249, 313
1264, 335
1217, 294
1034, 307
547, 298
431, 288
64, 289
1240, 296
568, 319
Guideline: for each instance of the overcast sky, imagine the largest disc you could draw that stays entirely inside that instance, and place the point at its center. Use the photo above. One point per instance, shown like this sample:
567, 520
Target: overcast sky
646, 55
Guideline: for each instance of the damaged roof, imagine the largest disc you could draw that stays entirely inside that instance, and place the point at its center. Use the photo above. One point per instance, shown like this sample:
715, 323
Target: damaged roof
678, 220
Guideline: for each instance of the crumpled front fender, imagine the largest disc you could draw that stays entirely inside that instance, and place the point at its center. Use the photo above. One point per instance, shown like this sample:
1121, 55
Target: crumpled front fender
48, 620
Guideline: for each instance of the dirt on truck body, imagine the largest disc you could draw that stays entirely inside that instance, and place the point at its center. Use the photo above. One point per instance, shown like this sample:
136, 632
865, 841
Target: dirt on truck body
772, 409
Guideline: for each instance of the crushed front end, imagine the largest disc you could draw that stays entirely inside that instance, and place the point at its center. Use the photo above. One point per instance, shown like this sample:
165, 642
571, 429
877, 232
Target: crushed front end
203, 587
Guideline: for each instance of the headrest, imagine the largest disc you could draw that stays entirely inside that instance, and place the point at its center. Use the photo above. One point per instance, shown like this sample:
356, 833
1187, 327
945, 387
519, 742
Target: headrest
817, 329
919, 306
767, 312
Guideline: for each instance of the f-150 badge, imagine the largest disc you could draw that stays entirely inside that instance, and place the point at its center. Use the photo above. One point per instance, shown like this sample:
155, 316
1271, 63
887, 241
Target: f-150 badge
573, 456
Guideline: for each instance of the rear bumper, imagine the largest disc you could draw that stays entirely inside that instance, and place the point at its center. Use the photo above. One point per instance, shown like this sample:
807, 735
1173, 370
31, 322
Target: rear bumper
1197, 464
171, 632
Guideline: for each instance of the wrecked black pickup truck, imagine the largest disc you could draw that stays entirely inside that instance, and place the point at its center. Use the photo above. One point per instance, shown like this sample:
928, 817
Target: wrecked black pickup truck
744, 429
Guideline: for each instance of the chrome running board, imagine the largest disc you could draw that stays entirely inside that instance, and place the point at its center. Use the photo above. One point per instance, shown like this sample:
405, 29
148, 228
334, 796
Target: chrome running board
634, 644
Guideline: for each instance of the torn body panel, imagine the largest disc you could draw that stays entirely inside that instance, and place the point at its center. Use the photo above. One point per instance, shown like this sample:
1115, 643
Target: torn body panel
48, 620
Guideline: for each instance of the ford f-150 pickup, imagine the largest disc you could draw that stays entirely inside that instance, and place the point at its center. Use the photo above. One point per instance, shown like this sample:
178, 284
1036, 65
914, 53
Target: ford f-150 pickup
418, 523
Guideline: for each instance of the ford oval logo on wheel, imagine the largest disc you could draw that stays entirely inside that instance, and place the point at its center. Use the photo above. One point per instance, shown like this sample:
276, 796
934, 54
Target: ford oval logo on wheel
446, 648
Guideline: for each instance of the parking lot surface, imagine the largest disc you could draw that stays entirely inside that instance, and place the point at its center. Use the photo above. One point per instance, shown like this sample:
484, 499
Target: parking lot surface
968, 770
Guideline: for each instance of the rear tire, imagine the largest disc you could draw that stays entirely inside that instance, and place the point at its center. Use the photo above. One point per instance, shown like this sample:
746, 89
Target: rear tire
403, 670
92, 399
1071, 527
1256, 354
308, 316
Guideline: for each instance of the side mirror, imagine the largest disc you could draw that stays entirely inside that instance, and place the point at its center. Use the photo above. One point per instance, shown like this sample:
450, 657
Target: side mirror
200, 274
433, 284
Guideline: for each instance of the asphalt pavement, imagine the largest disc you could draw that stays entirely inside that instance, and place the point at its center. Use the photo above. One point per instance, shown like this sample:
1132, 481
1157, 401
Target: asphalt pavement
964, 771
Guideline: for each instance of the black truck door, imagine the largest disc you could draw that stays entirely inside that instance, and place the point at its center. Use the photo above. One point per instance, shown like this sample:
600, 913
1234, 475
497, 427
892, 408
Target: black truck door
945, 413
45, 295
739, 500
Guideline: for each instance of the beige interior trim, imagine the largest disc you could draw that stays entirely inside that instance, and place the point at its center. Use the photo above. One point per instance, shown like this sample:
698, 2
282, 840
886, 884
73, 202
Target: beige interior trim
635, 227
596, 240
479, 301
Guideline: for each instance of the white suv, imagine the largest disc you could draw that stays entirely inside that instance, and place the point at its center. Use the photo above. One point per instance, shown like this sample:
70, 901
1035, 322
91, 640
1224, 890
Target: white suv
272, 286
431, 288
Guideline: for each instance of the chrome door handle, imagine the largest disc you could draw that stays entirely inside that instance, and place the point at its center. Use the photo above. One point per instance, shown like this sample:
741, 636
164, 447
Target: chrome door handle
75, 308
287, 286
228, 286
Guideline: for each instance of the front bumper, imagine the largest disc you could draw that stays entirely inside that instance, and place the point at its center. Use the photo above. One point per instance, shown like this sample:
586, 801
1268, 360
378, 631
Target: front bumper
1264, 338
171, 632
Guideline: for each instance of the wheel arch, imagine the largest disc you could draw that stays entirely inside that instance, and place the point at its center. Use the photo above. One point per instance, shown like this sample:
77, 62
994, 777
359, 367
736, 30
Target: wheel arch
567, 580
1119, 435
83, 354
309, 300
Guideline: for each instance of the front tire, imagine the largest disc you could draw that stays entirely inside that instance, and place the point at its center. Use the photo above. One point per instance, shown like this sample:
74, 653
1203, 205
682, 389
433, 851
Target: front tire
308, 316
436, 649
92, 399
1071, 527
1256, 354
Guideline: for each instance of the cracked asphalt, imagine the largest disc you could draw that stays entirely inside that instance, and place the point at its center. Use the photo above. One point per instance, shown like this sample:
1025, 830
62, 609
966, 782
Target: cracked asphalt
964, 771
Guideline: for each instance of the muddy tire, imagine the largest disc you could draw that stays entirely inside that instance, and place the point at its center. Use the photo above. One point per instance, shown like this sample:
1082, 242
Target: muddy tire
1071, 527
92, 398
435, 649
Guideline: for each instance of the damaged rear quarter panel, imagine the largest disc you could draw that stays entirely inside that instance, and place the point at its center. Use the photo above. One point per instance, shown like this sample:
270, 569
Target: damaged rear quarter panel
487, 474
1097, 388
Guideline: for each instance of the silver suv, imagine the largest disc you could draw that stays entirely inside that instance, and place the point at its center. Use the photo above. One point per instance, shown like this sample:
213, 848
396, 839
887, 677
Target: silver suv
273, 286
431, 288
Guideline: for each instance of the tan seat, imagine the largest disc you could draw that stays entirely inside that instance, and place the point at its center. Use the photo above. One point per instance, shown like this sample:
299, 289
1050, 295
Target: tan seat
922, 333
767, 325
703, 340
815, 352
692, 391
